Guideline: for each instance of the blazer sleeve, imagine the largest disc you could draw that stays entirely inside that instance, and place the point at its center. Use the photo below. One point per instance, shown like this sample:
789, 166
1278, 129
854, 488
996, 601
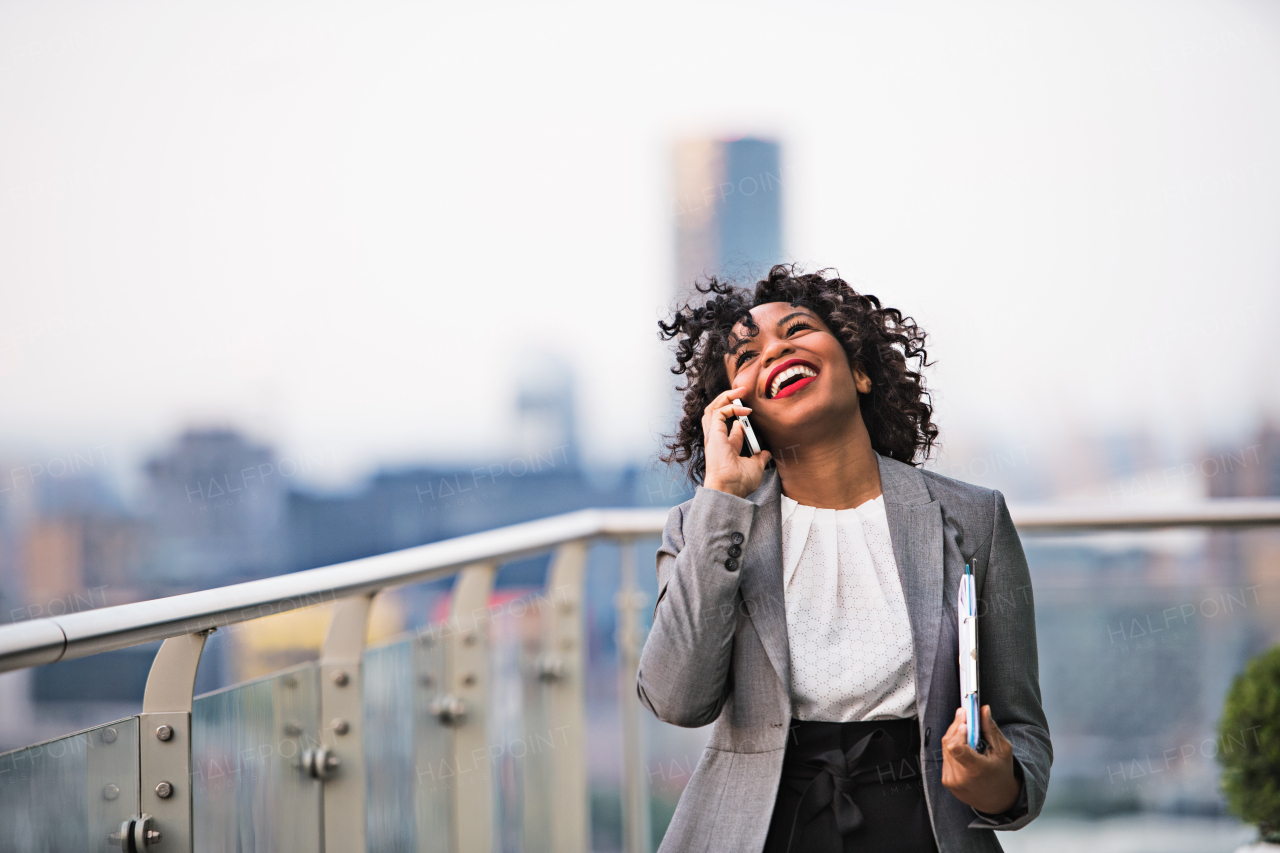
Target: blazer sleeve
1009, 670
684, 668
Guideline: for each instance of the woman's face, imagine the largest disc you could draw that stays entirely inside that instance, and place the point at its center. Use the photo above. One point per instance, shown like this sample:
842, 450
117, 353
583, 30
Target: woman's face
796, 372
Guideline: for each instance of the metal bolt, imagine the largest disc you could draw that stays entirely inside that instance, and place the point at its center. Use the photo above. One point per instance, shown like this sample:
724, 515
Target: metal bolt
108, 735
320, 763
110, 792
165, 732
550, 668
449, 710
469, 679
121, 837
341, 678
340, 726
143, 833
164, 790
470, 639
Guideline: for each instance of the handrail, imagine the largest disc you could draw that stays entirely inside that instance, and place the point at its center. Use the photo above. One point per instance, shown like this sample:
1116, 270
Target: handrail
1218, 512
88, 632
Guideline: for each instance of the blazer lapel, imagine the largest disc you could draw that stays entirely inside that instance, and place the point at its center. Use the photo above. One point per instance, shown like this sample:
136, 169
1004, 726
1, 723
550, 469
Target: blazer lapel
761, 584
915, 528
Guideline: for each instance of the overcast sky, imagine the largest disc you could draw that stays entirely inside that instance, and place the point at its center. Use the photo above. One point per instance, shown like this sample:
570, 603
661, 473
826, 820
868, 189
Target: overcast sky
340, 225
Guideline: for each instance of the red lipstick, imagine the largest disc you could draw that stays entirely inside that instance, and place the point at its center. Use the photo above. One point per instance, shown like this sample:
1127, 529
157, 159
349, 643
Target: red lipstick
794, 386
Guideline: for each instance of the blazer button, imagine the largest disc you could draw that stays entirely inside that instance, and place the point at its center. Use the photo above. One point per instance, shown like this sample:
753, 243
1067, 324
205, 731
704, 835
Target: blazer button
731, 564
927, 732
735, 550
735, 538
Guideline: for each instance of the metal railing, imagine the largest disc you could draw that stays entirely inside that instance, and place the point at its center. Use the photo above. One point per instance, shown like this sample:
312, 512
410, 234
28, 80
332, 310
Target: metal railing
454, 663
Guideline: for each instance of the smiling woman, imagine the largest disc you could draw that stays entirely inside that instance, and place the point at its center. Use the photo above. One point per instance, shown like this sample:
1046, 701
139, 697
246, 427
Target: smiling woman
881, 341
807, 593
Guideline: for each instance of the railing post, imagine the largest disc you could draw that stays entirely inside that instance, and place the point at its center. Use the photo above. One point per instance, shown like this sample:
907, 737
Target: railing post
559, 794
341, 762
164, 822
630, 602
464, 705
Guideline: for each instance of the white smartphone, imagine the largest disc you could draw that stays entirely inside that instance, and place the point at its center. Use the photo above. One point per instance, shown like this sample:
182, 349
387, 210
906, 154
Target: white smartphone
751, 434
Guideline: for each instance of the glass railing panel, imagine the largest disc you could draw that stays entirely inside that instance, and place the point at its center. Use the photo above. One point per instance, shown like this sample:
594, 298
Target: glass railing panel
519, 734
250, 791
408, 750
389, 688
72, 793
434, 776
602, 690
1140, 635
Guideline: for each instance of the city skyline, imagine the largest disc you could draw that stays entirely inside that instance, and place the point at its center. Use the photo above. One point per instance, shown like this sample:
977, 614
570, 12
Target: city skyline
332, 512
1062, 219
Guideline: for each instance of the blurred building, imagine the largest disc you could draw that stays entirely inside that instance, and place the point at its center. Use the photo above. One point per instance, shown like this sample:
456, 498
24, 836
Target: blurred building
545, 419
1251, 470
78, 548
75, 547
400, 509
263, 646
541, 476
728, 209
217, 503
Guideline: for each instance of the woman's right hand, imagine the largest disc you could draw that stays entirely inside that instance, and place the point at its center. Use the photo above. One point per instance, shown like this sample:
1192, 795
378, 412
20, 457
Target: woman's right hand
727, 470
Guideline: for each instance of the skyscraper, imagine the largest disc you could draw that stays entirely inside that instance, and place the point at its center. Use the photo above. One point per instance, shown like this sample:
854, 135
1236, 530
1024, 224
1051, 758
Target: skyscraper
728, 209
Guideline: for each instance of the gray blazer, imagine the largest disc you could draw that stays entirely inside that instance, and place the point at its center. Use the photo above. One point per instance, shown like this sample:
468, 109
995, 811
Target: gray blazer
718, 651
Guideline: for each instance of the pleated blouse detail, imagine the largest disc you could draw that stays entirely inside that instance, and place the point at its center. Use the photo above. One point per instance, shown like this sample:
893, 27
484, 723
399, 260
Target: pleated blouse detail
847, 621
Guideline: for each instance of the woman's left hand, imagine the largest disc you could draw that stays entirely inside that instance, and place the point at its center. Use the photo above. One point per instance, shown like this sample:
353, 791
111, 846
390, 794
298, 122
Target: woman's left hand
984, 780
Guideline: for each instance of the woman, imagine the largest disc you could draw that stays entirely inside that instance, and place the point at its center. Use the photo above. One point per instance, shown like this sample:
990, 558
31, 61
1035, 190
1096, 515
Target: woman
807, 594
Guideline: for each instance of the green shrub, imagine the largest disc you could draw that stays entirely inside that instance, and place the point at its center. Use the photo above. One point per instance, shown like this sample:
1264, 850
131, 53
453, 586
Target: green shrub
1249, 744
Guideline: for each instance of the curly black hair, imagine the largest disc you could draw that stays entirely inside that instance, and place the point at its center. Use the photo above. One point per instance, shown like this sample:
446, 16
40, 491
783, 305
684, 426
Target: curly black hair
898, 412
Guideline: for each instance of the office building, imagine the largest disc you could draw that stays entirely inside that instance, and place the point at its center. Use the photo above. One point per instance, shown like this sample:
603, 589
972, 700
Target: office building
728, 209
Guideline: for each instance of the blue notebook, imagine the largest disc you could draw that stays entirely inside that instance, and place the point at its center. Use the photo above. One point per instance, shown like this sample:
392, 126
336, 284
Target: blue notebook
967, 613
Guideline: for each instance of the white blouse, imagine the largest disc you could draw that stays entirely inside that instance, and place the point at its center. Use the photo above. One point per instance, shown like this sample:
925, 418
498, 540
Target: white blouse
847, 620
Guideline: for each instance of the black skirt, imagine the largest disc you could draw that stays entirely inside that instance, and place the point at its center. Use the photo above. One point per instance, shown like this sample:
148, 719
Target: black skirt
851, 788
